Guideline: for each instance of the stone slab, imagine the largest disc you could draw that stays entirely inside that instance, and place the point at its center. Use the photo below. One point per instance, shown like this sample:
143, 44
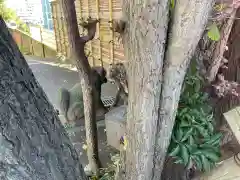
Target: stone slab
233, 119
115, 121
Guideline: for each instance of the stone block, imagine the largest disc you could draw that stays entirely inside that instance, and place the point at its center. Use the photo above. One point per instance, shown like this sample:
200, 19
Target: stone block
115, 121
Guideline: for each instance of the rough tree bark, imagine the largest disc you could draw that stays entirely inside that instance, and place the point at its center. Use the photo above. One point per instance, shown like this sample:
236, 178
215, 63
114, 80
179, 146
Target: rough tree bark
33, 142
77, 44
154, 94
144, 43
188, 24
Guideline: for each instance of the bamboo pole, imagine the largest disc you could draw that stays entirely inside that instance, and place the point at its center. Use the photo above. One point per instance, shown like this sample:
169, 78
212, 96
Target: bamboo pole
43, 46
111, 31
99, 38
81, 16
90, 43
63, 50
54, 18
64, 34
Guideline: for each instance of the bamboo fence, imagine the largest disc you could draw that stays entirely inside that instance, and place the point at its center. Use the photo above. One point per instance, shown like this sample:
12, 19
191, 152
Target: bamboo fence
105, 47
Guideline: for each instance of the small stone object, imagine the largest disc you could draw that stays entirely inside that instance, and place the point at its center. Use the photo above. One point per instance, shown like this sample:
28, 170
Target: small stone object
115, 121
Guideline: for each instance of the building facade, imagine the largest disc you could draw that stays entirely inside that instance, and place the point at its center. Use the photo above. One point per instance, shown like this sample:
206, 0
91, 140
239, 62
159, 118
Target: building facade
30, 11
47, 15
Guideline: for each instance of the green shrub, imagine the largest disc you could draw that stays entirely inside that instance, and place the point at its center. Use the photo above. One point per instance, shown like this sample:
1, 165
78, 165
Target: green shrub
194, 142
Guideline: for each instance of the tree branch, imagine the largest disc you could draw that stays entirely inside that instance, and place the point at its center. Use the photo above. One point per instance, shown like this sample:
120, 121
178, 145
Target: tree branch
77, 44
220, 49
91, 28
119, 26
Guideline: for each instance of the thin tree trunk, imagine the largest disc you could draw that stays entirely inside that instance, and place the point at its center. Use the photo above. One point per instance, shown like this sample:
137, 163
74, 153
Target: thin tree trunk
77, 44
150, 121
220, 48
189, 21
33, 142
144, 43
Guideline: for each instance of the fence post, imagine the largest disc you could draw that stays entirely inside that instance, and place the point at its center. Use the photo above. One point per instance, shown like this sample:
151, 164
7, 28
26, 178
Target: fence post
99, 33
54, 20
31, 45
21, 42
110, 6
90, 42
43, 48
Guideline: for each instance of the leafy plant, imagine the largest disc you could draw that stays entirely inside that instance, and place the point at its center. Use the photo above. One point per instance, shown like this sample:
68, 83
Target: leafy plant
109, 172
213, 32
113, 170
194, 142
9, 14
172, 4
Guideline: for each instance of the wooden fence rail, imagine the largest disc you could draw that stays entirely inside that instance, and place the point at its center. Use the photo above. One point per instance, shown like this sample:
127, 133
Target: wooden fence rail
43, 35
104, 47
32, 45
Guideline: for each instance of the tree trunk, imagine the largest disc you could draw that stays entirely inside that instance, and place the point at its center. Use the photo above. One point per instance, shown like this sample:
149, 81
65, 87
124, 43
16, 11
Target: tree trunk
188, 24
33, 142
77, 44
144, 45
150, 121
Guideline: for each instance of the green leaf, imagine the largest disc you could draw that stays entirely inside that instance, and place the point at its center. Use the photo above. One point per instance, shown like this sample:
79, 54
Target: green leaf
184, 123
205, 163
179, 134
191, 140
210, 117
183, 111
191, 148
198, 152
219, 7
210, 127
211, 155
172, 2
175, 151
184, 154
202, 131
205, 146
189, 117
174, 138
215, 139
187, 134
197, 161
210, 147
213, 32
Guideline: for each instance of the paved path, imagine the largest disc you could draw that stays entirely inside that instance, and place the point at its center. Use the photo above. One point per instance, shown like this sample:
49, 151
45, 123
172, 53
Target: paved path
51, 78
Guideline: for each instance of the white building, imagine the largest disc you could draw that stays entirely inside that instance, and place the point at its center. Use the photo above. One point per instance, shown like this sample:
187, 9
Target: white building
29, 11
